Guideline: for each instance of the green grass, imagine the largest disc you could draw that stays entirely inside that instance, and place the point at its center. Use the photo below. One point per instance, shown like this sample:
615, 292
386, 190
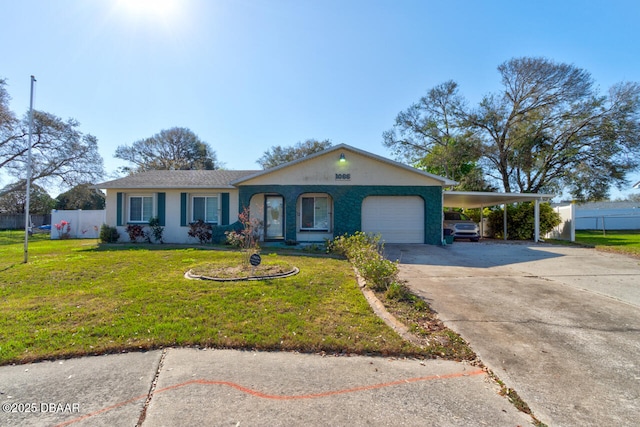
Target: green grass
75, 297
622, 241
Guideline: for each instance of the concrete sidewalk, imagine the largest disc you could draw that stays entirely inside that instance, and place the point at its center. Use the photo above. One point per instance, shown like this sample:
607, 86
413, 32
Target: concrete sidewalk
186, 387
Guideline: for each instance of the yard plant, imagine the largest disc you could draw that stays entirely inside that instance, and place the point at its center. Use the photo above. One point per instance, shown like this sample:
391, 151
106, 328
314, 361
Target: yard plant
521, 220
366, 252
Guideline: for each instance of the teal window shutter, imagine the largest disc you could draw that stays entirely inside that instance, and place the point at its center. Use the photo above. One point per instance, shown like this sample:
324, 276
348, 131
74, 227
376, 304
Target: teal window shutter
183, 209
119, 197
162, 202
224, 204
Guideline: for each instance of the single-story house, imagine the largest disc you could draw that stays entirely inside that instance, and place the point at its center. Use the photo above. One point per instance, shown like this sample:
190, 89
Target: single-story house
339, 190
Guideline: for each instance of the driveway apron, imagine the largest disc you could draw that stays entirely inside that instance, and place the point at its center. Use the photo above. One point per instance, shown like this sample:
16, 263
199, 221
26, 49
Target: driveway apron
560, 325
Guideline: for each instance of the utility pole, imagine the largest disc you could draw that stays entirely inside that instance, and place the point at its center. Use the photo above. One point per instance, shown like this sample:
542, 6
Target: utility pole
27, 216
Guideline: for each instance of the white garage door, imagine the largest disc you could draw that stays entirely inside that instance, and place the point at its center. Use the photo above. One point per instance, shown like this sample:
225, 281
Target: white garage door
399, 219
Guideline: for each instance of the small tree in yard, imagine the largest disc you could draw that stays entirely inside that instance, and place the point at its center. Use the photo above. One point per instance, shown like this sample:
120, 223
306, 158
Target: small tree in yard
248, 237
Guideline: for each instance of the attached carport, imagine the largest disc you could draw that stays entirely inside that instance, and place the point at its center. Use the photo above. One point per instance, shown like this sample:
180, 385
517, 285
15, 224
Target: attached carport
476, 199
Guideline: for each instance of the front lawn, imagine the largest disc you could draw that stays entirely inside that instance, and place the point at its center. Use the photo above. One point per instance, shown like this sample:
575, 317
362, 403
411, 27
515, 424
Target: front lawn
75, 297
623, 241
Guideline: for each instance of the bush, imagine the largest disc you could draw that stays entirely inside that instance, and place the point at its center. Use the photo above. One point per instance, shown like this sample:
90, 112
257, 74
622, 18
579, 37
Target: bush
400, 292
64, 229
219, 232
108, 234
366, 253
247, 237
156, 229
201, 231
521, 221
135, 232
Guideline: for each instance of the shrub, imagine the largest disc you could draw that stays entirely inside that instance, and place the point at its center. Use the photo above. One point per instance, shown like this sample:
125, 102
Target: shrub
156, 229
521, 221
247, 237
201, 231
365, 251
135, 232
400, 292
64, 229
108, 234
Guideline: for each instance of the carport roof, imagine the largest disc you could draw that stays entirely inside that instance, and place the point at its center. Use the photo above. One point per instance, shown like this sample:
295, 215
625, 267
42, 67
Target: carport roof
477, 199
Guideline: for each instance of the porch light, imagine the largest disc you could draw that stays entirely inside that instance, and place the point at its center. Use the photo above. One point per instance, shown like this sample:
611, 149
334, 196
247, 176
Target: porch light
342, 158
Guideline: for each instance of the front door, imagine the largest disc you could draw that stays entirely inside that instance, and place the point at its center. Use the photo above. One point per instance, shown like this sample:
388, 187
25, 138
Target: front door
274, 217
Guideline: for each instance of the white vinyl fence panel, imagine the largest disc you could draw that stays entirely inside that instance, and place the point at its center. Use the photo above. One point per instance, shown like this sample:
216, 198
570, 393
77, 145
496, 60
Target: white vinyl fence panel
567, 228
608, 219
76, 224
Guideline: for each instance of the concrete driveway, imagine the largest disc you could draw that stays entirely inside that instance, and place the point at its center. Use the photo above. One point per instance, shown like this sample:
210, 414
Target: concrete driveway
560, 325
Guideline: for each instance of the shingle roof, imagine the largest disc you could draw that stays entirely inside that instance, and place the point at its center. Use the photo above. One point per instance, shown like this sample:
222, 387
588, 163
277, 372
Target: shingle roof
178, 179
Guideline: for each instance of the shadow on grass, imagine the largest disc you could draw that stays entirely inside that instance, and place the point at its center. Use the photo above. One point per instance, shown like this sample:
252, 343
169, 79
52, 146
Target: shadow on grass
106, 247
102, 247
9, 267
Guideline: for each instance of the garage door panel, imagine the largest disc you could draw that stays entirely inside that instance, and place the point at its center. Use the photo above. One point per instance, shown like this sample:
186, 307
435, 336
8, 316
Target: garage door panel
399, 219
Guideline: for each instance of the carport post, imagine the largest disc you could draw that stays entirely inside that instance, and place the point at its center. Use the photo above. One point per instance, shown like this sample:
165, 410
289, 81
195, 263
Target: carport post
504, 222
536, 227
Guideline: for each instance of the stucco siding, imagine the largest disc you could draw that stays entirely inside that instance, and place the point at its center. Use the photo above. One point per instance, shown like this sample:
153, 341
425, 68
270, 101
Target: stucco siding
173, 231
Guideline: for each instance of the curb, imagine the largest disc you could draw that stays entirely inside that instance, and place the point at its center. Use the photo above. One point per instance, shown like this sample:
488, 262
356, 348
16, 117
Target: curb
380, 310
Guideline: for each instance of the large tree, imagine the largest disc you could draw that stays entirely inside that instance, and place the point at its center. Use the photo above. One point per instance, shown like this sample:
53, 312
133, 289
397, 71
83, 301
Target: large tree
15, 201
549, 129
278, 155
170, 149
61, 154
429, 136
82, 196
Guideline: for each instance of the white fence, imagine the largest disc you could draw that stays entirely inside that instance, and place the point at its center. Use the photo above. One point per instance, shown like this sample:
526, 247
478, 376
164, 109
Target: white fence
76, 224
566, 230
595, 216
608, 216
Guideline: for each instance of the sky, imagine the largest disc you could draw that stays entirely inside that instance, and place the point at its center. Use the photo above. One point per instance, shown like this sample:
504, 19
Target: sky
246, 75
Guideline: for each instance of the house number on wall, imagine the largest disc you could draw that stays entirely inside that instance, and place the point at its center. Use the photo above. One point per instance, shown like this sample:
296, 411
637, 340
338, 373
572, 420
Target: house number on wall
343, 176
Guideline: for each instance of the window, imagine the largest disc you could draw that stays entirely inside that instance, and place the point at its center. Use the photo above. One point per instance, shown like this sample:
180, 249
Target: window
205, 208
314, 213
455, 216
140, 208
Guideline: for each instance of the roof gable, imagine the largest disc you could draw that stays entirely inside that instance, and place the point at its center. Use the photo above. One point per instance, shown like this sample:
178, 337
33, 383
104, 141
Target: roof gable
343, 165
